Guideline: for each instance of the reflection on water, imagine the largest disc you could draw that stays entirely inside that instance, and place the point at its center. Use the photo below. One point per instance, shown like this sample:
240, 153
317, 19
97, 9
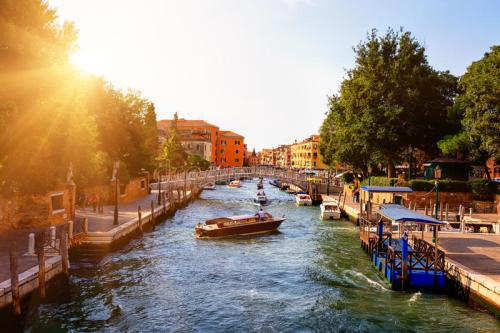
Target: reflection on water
309, 276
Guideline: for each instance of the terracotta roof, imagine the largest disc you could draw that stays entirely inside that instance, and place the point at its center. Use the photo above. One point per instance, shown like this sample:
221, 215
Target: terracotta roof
230, 134
181, 122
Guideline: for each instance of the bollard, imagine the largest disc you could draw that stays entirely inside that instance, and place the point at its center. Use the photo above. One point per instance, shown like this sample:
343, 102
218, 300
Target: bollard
139, 216
64, 251
85, 225
14, 280
462, 211
53, 236
70, 230
41, 265
31, 244
470, 212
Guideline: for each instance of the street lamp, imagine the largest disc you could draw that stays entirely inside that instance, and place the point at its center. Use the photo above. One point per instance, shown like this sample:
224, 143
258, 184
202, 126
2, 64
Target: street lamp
116, 167
437, 177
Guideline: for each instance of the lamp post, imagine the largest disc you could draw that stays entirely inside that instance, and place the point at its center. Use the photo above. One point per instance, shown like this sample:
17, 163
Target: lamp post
70, 184
116, 167
437, 176
159, 186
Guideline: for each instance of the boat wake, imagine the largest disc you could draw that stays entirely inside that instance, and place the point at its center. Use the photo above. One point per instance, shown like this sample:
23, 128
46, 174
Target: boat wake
415, 297
370, 281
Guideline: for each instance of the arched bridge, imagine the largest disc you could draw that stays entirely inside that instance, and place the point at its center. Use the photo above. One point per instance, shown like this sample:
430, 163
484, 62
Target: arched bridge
289, 177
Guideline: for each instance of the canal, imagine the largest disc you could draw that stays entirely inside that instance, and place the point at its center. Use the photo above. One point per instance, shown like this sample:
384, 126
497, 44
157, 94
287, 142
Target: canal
310, 276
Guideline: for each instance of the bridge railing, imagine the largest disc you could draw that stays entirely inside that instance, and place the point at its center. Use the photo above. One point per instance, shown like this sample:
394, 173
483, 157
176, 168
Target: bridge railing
200, 177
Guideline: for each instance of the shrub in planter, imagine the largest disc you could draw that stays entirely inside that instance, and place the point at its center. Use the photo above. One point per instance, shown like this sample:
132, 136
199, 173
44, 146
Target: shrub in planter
421, 185
482, 189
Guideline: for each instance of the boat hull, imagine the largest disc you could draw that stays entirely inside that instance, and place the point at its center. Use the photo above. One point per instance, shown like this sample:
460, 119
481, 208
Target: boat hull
239, 230
330, 215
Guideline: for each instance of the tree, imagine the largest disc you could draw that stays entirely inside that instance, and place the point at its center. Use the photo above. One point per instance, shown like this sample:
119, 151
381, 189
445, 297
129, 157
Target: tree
476, 113
198, 162
390, 100
480, 98
172, 149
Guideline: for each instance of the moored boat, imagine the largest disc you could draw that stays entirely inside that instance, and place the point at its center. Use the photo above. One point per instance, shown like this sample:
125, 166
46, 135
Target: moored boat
330, 211
209, 186
238, 225
235, 184
303, 199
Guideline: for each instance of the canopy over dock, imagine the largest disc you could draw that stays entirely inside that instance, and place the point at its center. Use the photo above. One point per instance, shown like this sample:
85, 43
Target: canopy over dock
386, 189
399, 213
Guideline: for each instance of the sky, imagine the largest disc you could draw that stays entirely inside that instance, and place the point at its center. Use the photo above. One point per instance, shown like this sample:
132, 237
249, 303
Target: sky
261, 68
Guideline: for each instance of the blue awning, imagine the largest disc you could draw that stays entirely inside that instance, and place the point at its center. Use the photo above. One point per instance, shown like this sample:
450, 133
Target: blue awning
399, 213
386, 189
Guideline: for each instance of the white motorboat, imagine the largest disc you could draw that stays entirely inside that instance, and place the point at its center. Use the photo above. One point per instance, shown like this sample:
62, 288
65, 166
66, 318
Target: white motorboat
303, 199
330, 211
235, 184
261, 198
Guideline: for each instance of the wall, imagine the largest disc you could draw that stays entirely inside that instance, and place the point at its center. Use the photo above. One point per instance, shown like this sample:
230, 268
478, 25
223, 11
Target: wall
32, 211
454, 199
133, 190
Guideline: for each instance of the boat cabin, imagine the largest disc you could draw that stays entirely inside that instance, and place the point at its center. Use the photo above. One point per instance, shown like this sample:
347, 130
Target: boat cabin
397, 247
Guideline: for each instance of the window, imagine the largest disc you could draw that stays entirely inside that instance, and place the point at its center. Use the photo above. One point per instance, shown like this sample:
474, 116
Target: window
315, 146
56, 201
222, 142
189, 146
198, 146
222, 151
237, 142
237, 151
236, 159
315, 155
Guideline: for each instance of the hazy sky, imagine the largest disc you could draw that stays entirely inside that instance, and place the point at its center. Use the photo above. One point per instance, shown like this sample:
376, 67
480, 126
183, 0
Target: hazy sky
261, 68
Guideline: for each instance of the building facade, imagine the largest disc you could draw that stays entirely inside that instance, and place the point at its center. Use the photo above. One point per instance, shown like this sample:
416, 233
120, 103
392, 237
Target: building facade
305, 154
198, 137
231, 151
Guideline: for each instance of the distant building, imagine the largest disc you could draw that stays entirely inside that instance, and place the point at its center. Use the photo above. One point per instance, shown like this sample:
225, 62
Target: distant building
198, 137
283, 156
231, 151
493, 169
305, 154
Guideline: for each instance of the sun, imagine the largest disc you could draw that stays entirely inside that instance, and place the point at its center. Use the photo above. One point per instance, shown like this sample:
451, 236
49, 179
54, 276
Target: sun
87, 62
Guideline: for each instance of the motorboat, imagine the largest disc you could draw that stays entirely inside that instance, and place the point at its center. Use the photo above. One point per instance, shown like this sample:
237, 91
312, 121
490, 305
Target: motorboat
209, 187
303, 199
235, 184
261, 198
275, 182
260, 186
238, 225
330, 211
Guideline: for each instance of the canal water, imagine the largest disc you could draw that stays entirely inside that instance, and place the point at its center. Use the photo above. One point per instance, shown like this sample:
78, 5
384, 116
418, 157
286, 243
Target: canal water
310, 276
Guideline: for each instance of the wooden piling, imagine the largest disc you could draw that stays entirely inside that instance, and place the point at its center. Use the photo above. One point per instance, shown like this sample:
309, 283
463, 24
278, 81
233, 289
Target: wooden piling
139, 215
85, 225
153, 214
64, 251
426, 210
41, 265
446, 211
14, 280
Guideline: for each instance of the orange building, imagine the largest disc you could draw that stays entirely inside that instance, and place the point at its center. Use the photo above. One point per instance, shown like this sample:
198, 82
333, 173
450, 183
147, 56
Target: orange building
231, 151
191, 128
227, 149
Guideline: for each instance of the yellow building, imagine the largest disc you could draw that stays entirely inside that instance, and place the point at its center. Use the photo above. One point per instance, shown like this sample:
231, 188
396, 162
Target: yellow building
305, 154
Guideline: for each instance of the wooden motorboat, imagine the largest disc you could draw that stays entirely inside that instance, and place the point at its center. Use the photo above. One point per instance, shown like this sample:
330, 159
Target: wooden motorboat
330, 211
237, 225
260, 186
235, 184
209, 187
303, 199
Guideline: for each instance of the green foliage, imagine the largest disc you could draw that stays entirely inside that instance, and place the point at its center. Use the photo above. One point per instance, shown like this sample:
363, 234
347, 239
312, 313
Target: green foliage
196, 161
483, 189
453, 144
172, 150
51, 116
421, 185
480, 98
381, 181
348, 177
390, 100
